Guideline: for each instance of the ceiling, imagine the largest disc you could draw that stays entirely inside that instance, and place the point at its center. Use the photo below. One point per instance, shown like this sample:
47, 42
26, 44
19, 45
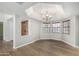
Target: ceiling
42, 10
14, 8
70, 8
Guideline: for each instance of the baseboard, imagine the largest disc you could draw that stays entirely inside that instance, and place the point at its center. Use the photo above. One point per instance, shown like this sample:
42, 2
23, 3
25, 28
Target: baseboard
46, 39
71, 44
7, 40
76, 47
25, 44
51, 39
68, 43
64, 42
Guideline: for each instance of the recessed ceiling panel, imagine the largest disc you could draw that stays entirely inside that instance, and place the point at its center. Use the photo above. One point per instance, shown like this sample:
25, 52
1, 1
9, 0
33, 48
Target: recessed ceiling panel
39, 10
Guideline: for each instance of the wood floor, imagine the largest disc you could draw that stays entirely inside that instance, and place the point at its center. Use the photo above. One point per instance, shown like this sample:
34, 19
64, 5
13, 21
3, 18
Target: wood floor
45, 48
5, 47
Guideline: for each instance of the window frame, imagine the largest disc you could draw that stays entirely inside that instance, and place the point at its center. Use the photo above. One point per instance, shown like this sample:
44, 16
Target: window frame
66, 27
56, 27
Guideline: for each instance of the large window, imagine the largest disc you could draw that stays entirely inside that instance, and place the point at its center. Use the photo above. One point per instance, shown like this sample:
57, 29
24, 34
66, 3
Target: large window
52, 27
46, 28
56, 27
66, 27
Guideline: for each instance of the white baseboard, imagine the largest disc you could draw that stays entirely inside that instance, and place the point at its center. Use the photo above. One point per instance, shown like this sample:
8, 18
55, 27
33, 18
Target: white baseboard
70, 44
46, 39
65, 42
50, 39
25, 44
7, 40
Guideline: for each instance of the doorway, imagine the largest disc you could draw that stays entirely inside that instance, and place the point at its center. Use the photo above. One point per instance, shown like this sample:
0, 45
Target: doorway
1, 32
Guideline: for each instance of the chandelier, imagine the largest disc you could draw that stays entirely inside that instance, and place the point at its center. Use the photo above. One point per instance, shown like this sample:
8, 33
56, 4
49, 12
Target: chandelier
46, 12
47, 16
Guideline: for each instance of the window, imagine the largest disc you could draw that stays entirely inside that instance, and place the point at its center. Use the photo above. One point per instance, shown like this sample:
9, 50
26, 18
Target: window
56, 27
66, 27
52, 28
46, 28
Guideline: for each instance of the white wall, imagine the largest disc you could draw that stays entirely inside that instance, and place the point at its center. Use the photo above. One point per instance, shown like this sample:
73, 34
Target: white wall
54, 36
8, 29
33, 35
34, 30
77, 30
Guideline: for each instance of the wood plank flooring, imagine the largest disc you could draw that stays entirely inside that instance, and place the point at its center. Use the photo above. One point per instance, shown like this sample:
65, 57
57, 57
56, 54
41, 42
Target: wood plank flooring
5, 47
45, 48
